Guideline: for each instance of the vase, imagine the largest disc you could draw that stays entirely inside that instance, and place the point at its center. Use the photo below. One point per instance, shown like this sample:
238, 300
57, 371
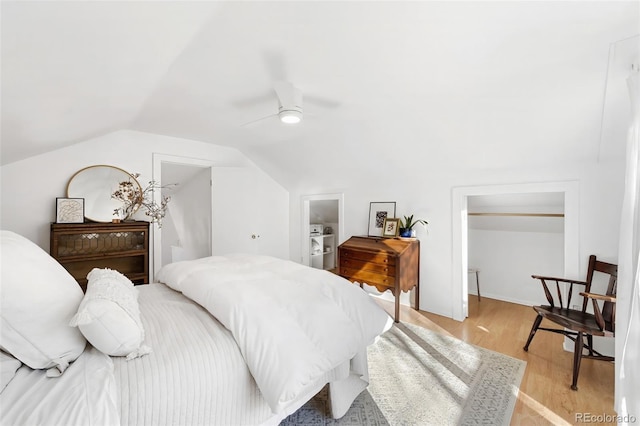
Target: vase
126, 212
405, 232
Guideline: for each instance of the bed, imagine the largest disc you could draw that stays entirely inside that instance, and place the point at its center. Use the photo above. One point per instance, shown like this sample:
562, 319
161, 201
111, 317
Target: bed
224, 340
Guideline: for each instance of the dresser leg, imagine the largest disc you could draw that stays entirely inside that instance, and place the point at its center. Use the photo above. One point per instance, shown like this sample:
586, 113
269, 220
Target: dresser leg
397, 318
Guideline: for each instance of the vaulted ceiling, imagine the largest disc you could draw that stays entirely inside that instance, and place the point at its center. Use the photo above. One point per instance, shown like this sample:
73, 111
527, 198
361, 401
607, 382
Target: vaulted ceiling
438, 80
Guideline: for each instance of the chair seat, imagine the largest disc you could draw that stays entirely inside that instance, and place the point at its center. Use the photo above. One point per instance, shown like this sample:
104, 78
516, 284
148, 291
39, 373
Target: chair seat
574, 320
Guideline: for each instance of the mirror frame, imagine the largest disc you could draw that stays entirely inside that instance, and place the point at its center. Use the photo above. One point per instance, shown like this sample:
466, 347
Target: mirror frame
92, 212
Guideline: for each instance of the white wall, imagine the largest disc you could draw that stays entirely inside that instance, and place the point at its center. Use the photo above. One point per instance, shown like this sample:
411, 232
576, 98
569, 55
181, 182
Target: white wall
29, 187
190, 218
424, 188
507, 259
169, 239
248, 215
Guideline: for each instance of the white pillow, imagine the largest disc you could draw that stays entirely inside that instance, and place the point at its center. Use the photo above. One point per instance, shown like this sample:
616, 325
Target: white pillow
38, 298
8, 367
109, 315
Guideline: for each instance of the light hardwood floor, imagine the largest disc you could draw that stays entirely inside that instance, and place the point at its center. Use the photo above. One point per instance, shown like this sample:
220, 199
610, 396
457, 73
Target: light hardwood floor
545, 397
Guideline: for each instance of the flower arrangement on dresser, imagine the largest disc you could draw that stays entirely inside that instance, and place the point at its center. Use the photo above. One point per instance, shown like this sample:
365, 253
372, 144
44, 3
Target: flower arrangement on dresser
132, 198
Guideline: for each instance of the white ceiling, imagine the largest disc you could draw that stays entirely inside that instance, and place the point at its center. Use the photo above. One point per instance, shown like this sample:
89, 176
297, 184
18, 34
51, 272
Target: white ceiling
496, 81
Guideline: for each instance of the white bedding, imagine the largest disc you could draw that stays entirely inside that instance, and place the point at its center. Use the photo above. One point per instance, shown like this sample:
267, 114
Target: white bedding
196, 373
293, 323
84, 395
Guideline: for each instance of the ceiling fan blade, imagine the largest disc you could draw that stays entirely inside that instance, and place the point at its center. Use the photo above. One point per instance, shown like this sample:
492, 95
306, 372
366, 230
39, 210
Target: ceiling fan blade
249, 123
288, 95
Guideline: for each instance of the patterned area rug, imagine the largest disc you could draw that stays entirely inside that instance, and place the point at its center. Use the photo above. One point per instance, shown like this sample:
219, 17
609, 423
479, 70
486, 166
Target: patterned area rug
419, 377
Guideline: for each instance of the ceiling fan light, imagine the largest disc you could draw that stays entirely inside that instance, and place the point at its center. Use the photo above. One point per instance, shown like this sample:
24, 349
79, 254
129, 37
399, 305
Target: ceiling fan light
290, 116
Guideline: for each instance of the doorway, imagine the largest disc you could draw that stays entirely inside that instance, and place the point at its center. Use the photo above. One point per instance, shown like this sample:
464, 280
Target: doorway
327, 211
186, 232
511, 236
460, 227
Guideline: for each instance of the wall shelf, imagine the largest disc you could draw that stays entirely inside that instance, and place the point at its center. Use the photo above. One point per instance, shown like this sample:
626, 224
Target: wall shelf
324, 258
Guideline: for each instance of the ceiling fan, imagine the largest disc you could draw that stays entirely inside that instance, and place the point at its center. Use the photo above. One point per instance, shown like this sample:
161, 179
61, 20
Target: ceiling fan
289, 104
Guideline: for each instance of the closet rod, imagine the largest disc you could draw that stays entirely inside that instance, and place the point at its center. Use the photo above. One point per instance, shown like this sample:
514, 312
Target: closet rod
519, 214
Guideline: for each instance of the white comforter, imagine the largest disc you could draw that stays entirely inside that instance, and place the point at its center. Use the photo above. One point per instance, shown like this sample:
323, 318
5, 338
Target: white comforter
195, 374
292, 323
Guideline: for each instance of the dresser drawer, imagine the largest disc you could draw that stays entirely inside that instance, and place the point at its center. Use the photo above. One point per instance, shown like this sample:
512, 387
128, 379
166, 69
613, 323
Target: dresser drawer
380, 257
98, 243
368, 277
363, 265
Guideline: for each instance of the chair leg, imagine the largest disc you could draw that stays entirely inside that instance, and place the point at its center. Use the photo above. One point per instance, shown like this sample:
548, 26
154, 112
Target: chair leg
590, 343
534, 328
577, 357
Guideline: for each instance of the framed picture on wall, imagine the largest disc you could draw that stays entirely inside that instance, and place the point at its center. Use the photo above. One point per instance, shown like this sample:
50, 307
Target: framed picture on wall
378, 212
390, 227
69, 210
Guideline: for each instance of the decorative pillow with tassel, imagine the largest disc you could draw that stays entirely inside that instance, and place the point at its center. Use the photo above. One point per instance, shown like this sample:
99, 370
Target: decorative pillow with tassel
109, 315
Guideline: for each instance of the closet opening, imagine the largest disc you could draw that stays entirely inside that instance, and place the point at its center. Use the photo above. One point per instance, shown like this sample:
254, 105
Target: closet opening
491, 200
509, 238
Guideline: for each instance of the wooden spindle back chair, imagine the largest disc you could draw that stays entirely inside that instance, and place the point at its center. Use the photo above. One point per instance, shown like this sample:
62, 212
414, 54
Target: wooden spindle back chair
578, 323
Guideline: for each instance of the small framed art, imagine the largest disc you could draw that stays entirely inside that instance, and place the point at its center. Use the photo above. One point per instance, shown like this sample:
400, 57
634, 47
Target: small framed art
69, 210
378, 212
390, 227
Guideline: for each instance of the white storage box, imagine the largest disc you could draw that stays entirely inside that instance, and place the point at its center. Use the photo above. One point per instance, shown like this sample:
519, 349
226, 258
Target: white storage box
316, 228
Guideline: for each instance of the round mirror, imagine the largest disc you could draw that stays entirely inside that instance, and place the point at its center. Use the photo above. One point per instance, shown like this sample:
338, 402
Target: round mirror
96, 184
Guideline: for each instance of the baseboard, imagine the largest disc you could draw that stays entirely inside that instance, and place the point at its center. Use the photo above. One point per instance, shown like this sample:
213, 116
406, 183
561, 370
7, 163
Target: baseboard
502, 298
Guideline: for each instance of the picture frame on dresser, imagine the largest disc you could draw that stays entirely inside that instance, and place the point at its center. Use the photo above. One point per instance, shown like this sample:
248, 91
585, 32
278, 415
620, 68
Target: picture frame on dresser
69, 210
390, 227
378, 212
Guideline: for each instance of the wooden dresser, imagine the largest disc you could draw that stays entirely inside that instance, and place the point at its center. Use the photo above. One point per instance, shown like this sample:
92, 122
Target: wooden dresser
80, 247
386, 263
